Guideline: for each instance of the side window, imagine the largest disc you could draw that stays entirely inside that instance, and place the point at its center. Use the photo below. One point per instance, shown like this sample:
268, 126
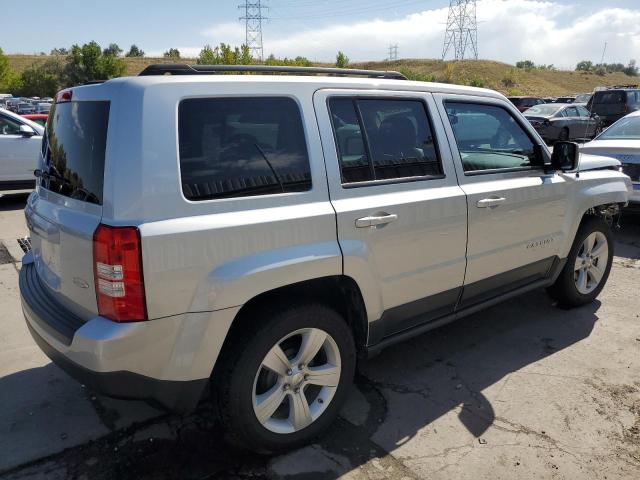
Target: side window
572, 112
383, 139
237, 147
8, 126
583, 111
489, 138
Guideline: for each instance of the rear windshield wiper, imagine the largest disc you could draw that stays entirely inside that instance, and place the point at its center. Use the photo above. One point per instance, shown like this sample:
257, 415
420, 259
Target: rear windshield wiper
48, 175
273, 170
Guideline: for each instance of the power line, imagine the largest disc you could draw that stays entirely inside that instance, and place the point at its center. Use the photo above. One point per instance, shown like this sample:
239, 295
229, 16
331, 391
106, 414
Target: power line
253, 23
462, 29
350, 10
393, 52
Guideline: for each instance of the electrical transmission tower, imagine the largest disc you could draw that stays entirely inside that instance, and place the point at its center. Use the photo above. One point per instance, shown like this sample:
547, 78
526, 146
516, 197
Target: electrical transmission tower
253, 20
462, 30
393, 52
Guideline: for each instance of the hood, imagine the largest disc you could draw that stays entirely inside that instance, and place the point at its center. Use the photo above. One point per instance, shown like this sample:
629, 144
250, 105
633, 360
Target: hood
596, 162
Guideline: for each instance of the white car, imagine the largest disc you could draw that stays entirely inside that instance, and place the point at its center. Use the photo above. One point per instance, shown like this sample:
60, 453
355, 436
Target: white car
622, 142
20, 141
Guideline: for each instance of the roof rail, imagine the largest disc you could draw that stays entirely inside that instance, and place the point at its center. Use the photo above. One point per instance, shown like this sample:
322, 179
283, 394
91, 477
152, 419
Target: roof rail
621, 86
184, 69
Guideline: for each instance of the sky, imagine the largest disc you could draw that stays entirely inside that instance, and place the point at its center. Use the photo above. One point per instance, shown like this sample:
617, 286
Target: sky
559, 32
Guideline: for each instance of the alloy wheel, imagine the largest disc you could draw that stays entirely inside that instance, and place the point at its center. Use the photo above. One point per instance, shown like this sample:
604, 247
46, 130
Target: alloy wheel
296, 380
591, 262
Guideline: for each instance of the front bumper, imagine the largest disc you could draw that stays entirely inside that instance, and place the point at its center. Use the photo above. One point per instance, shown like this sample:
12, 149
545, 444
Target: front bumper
166, 361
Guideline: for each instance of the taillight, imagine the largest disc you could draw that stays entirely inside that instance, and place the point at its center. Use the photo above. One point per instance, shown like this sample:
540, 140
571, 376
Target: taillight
118, 273
64, 96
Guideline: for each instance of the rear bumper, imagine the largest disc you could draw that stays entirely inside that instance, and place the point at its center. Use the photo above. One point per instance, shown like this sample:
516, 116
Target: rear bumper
166, 361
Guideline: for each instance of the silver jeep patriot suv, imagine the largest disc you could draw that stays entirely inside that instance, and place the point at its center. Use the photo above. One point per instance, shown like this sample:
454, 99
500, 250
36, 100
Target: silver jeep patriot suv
253, 235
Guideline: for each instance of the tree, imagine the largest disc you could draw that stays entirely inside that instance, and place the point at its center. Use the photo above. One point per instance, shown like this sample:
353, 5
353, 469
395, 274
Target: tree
88, 63
224, 55
631, 69
526, 65
59, 51
112, 50
172, 53
5, 72
134, 51
584, 66
342, 60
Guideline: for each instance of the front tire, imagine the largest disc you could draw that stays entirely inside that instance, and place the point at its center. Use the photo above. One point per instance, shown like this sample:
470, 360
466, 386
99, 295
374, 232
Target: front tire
284, 383
588, 265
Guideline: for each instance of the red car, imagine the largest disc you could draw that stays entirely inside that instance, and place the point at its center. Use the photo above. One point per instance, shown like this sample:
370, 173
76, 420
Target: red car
40, 118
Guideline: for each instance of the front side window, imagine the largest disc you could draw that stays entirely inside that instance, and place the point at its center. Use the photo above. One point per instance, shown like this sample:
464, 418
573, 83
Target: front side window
383, 139
489, 138
9, 126
572, 112
238, 147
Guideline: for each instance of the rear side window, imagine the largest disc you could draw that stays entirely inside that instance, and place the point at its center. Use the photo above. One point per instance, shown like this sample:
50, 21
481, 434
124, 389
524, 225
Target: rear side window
383, 139
74, 148
609, 97
237, 147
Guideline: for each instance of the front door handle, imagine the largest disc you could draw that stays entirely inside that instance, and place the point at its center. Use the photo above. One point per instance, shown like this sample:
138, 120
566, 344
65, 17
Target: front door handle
375, 220
491, 202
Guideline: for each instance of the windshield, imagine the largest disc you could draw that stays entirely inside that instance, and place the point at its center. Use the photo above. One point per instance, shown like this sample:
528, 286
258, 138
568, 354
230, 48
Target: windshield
545, 109
625, 129
77, 136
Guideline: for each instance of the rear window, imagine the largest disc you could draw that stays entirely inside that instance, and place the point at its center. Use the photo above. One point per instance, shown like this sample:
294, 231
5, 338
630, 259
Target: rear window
74, 147
609, 97
238, 147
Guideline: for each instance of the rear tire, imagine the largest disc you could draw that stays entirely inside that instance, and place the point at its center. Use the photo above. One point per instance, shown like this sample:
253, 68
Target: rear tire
588, 265
291, 401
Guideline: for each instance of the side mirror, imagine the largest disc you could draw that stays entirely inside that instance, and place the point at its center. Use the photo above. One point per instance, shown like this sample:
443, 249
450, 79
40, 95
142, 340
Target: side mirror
565, 157
27, 131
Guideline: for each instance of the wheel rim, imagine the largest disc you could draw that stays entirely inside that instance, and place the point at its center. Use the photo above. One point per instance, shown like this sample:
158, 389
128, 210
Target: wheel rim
591, 262
296, 380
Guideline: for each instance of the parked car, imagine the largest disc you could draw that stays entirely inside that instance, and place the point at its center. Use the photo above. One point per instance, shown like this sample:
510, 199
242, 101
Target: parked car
562, 122
564, 100
257, 233
24, 108
20, 141
614, 103
43, 107
622, 142
522, 103
39, 118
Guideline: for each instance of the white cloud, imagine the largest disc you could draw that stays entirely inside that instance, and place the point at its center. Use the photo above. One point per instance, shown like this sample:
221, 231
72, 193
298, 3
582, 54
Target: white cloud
542, 31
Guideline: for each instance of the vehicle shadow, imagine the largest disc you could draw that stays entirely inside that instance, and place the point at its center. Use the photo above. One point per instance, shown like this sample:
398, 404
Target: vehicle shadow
13, 200
399, 395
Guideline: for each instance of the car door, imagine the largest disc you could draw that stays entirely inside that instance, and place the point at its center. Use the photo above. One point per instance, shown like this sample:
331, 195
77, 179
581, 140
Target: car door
589, 124
18, 153
575, 123
401, 216
516, 210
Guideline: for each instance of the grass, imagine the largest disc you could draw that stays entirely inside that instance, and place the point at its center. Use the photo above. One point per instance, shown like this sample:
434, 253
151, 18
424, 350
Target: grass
490, 74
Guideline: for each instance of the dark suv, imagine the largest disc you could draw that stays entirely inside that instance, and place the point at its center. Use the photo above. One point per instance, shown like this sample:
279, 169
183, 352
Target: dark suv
614, 103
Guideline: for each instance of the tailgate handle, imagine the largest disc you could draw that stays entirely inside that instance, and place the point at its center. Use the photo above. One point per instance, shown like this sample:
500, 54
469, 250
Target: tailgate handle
491, 202
375, 220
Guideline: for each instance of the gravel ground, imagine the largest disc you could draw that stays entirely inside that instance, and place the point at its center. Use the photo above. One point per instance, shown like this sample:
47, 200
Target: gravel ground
521, 390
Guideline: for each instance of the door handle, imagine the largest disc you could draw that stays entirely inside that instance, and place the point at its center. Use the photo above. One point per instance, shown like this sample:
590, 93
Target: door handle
490, 202
375, 220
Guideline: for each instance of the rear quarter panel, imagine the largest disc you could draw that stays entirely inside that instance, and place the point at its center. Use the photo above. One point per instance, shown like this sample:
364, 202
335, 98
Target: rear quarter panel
215, 254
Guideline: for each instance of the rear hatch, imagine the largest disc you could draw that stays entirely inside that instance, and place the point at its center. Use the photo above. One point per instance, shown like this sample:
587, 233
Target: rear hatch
63, 213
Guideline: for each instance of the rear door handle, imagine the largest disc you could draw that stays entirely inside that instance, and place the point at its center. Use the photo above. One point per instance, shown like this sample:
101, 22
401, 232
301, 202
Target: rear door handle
375, 220
490, 202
